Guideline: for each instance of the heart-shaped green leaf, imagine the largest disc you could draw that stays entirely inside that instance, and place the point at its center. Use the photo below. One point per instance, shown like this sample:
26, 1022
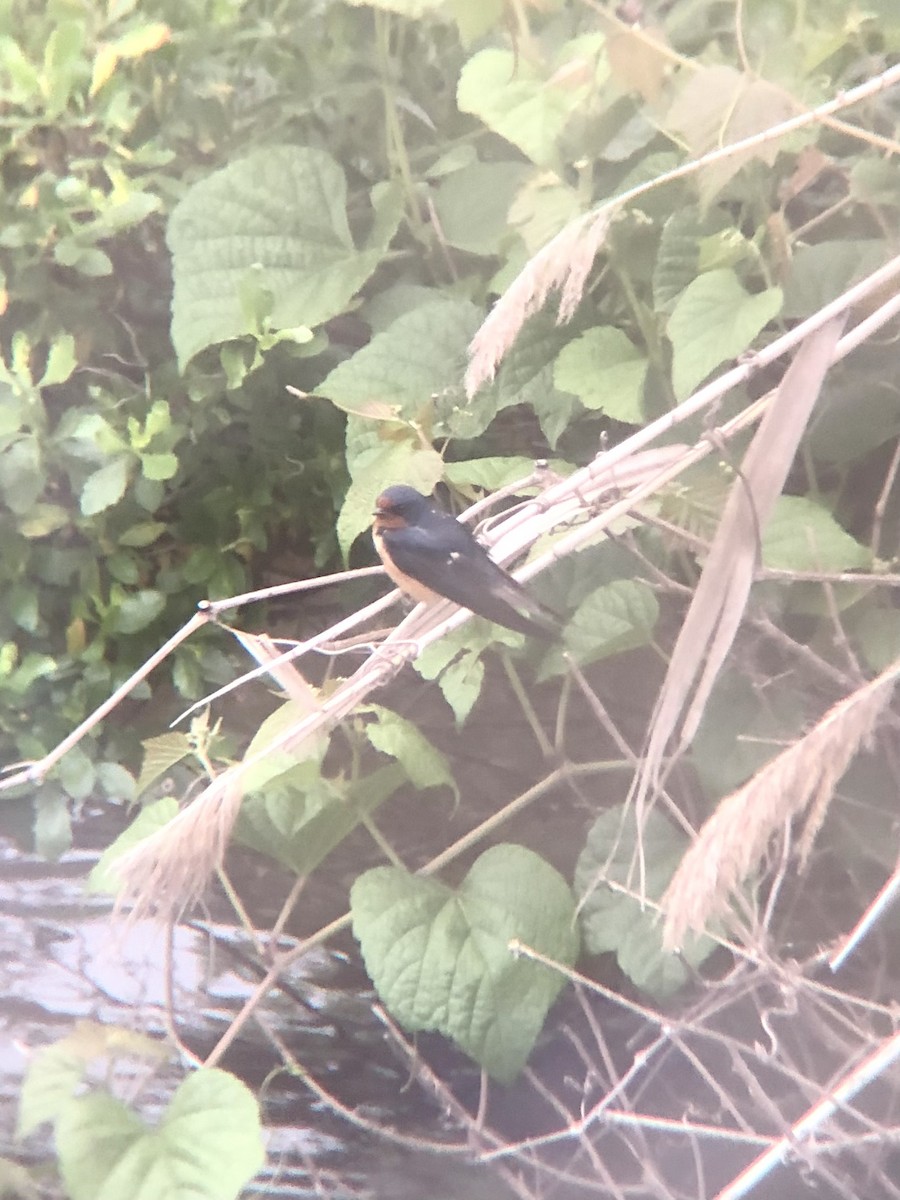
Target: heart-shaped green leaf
441, 959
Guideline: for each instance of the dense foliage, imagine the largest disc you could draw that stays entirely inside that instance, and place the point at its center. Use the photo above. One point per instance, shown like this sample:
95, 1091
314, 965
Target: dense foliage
208, 203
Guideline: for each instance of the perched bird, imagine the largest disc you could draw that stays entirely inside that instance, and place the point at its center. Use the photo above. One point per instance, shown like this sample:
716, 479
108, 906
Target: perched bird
429, 554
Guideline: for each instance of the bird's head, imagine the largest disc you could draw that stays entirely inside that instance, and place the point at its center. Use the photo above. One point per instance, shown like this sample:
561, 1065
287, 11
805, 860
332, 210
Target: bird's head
400, 505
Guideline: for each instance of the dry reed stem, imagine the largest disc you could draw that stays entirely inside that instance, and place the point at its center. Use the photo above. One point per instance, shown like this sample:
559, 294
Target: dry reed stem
565, 262
721, 596
730, 846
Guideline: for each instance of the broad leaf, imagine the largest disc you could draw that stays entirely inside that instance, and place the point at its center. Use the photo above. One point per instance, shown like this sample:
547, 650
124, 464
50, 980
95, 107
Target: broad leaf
420, 356
278, 215
713, 322
55, 1072
106, 486
801, 535
616, 616
678, 257
207, 1145
441, 959
139, 610
297, 815
473, 204
819, 273
456, 662
160, 755
605, 371
425, 765
614, 918
387, 462
518, 101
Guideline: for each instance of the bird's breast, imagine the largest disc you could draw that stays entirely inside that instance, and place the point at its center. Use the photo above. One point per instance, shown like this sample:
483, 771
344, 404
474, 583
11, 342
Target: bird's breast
406, 583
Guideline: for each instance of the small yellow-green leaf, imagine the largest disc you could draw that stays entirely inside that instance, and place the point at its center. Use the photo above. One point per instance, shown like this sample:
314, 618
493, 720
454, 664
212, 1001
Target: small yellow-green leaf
159, 466
61, 361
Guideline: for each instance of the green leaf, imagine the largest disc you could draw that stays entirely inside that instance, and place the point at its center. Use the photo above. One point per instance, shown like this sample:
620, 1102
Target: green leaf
76, 774
473, 204
492, 473
608, 880
615, 617
283, 209
678, 257
875, 181
396, 373
22, 474
44, 519
23, 76
605, 371
819, 274
52, 824
277, 723
55, 1072
803, 536
458, 667
160, 755
139, 610
117, 782
62, 60
159, 466
297, 816
518, 101
126, 212
387, 463
401, 739
440, 959
207, 1145
714, 321
106, 486
738, 735
877, 630
144, 533
50, 1081
474, 18
88, 260
61, 361
104, 876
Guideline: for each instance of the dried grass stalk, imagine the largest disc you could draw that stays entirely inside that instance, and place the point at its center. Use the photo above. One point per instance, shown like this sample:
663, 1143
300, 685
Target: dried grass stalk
800, 780
169, 871
721, 597
563, 265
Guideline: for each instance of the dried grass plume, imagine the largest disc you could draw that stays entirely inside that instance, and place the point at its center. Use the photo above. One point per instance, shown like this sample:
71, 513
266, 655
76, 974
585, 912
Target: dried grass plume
801, 780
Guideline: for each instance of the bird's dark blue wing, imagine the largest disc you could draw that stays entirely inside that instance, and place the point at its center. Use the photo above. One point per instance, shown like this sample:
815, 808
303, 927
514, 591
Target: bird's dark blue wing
445, 557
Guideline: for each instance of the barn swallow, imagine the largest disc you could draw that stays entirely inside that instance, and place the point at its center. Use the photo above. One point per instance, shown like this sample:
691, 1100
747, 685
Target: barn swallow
429, 554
